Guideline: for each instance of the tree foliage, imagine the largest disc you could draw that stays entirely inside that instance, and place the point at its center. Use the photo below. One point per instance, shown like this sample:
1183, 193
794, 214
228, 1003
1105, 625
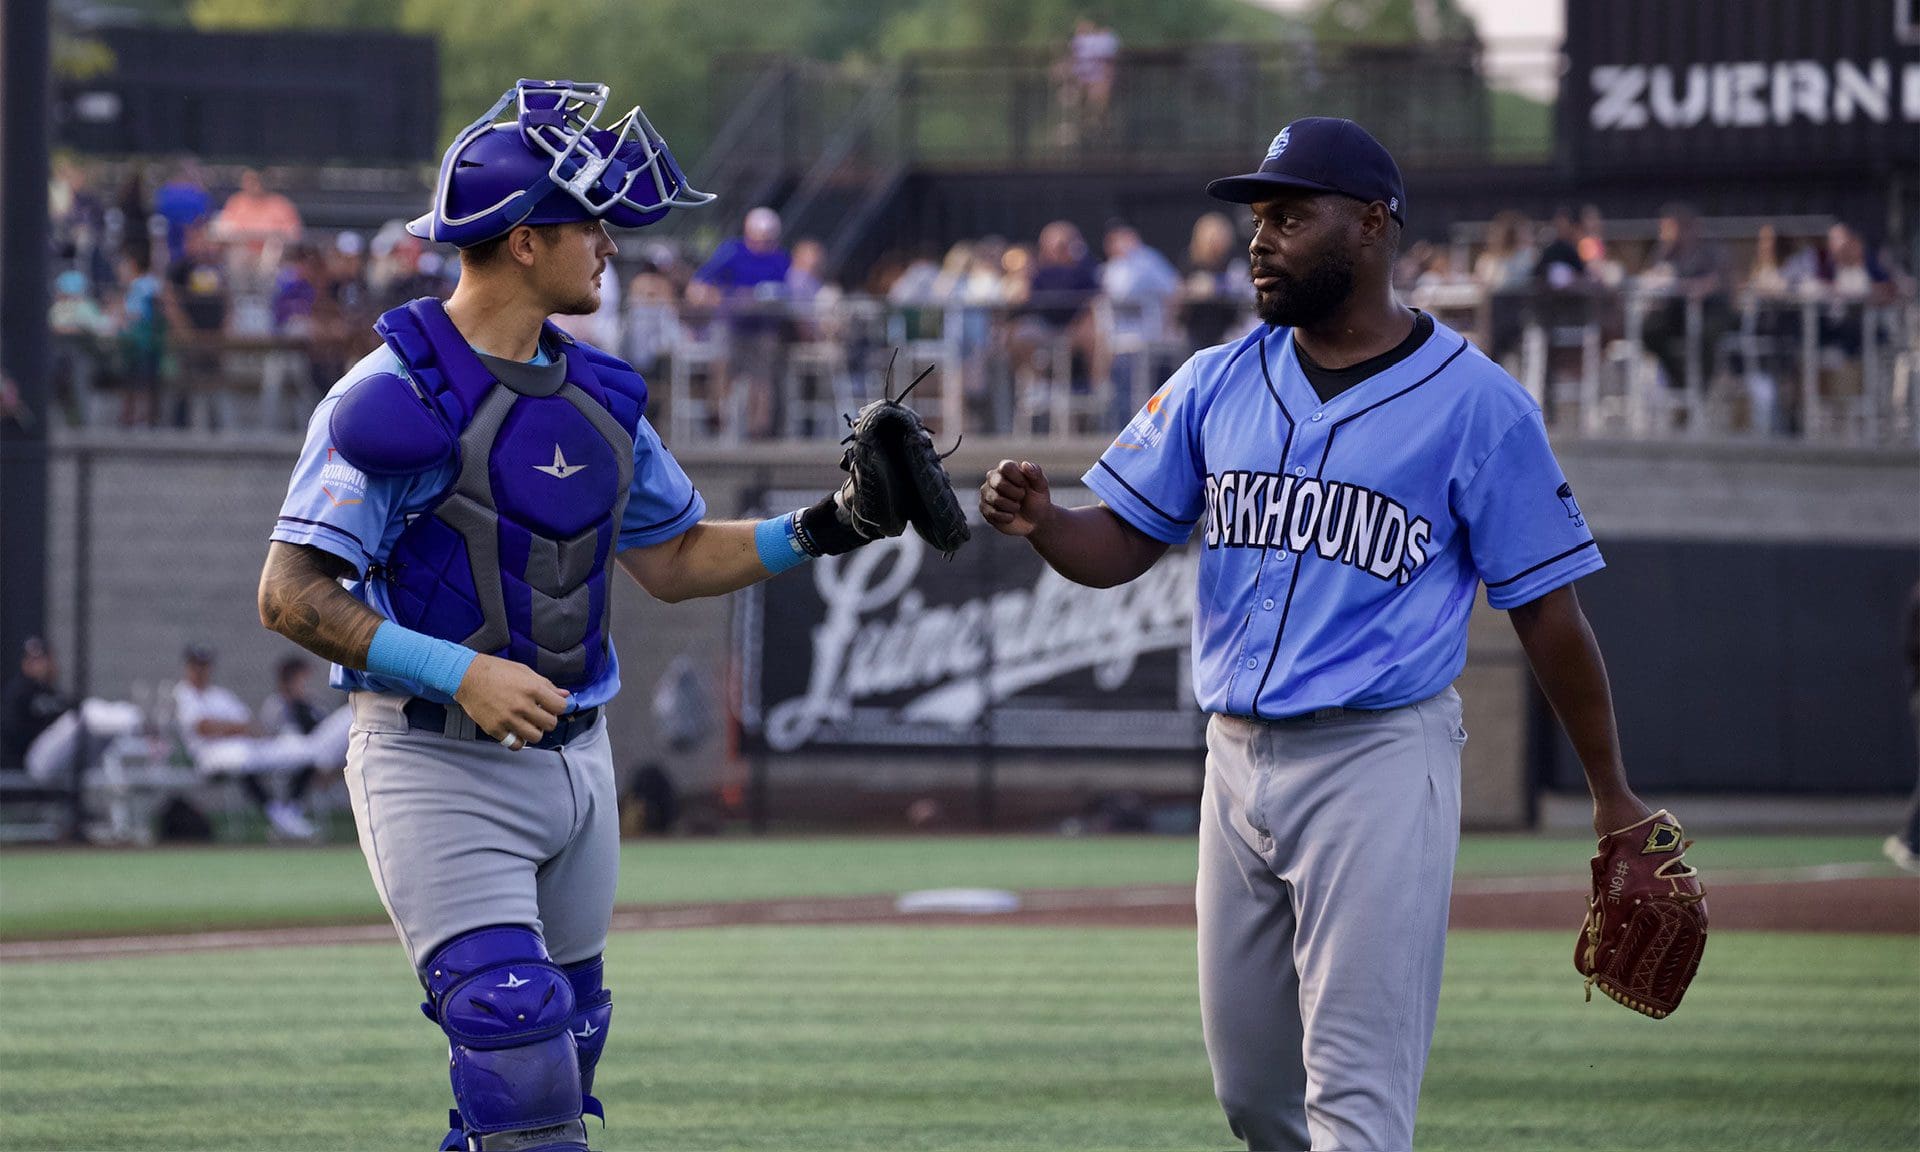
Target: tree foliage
657, 53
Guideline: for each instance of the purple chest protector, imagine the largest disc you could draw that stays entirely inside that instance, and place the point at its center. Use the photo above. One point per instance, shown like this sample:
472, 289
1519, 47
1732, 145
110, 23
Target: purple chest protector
513, 559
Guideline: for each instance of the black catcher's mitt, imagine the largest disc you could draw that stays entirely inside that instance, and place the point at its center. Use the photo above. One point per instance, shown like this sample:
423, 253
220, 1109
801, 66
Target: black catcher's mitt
895, 477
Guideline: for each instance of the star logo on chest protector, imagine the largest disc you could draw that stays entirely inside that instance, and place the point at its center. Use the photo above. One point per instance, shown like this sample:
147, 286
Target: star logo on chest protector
559, 469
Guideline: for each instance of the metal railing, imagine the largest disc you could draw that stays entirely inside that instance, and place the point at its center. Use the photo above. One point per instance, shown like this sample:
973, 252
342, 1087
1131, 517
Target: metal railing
1636, 363
1166, 107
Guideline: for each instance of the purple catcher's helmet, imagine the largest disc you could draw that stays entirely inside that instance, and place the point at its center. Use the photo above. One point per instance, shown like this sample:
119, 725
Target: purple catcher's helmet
550, 165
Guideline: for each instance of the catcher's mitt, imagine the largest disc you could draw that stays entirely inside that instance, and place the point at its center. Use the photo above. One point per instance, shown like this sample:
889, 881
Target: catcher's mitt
895, 477
1647, 919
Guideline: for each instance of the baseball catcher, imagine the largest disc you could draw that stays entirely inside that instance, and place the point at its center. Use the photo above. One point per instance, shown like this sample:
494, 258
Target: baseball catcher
1646, 924
462, 501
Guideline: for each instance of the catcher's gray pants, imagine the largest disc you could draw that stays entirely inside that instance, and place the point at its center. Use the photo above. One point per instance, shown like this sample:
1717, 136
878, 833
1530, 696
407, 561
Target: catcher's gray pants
462, 834
1327, 846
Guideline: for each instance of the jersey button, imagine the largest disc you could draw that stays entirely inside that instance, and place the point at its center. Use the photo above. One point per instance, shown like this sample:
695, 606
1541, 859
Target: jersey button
1299, 469
1252, 663
1267, 604
1319, 415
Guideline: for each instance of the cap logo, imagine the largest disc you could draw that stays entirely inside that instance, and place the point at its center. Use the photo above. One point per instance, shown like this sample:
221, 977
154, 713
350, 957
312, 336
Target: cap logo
1279, 144
1393, 203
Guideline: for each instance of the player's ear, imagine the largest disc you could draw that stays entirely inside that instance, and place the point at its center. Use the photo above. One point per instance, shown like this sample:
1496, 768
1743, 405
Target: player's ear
1376, 225
522, 244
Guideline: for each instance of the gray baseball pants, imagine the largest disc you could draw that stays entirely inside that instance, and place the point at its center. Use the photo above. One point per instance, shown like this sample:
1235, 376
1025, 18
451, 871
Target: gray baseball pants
1327, 846
462, 834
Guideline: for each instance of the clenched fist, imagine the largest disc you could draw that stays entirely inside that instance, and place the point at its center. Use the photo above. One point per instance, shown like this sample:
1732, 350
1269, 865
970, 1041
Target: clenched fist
1015, 498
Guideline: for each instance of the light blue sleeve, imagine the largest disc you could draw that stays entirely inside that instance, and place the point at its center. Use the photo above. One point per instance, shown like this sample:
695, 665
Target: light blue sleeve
335, 507
663, 502
1524, 527
1151, 475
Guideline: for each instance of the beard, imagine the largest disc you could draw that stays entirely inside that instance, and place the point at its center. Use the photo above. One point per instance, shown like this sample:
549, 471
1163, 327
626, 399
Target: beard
1306, 301
585, 304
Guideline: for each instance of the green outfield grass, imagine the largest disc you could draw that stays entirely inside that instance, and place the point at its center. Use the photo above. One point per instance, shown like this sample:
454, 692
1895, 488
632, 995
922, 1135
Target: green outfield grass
981, 1038
46, 893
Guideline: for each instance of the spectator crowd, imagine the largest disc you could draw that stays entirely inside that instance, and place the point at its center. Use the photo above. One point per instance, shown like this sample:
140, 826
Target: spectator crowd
169, 299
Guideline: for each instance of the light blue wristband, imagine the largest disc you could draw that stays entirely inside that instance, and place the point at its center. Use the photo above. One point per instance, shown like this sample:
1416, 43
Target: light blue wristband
778, 543
408, 655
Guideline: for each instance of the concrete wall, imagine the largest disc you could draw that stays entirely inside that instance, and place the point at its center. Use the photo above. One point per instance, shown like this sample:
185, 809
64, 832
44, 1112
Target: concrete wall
168, 546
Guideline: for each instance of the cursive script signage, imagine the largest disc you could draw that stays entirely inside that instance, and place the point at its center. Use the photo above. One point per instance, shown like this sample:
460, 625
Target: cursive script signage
895, 645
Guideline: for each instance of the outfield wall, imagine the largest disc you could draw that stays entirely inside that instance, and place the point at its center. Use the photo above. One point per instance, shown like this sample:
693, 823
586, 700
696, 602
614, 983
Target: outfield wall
1749, 617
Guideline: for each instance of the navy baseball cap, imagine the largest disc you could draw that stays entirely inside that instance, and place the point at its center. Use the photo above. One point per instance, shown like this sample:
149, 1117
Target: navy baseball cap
1321, 154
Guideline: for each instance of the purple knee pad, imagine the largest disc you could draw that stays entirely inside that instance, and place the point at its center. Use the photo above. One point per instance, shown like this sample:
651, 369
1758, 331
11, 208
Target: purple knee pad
506, 1009
592, 1012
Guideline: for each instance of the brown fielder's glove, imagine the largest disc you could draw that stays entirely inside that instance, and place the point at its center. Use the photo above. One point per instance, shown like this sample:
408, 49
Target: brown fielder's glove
1647, 919
895, 478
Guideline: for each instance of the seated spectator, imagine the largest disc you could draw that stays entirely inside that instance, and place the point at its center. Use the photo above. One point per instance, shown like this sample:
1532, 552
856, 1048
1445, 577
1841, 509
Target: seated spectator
751, 267
218, 731
1507, 259
653, 322
1218, 294
1849, 280
1059, 290
1016, 271
1140, 285
351, 297
1560, 265
290, 712
1593, 248
1684, 268
1766, 276
745, 280
914, 287
34, 703
142, 325
1504, 269
81, 329
1438, 272
260, 223
44, 727
199, 304
296, 290
1139, 281
184, 204
803, 271
78, 216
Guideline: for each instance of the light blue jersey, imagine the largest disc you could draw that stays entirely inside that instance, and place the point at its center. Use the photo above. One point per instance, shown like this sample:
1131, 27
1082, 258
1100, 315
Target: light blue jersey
1342, 541
333, 506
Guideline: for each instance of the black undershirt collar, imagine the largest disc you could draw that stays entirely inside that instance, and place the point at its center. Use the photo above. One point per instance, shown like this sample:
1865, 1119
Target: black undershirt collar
1330, 382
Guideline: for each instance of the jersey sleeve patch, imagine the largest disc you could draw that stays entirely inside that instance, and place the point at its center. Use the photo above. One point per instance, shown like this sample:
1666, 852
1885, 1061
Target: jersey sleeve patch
1525, 529
335, 506
1149, 476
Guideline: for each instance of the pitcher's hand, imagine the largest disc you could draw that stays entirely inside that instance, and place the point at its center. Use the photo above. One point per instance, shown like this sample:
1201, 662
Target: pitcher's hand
1016, 498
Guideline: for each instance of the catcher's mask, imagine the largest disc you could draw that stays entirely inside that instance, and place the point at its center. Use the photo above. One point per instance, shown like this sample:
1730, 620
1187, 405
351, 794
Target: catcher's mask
551, 165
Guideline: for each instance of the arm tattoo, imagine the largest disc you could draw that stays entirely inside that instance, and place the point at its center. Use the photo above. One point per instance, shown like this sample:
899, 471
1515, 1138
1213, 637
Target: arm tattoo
301, 598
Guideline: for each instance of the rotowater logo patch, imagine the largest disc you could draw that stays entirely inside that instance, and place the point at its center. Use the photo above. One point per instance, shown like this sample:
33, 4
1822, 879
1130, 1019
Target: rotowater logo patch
342, 482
